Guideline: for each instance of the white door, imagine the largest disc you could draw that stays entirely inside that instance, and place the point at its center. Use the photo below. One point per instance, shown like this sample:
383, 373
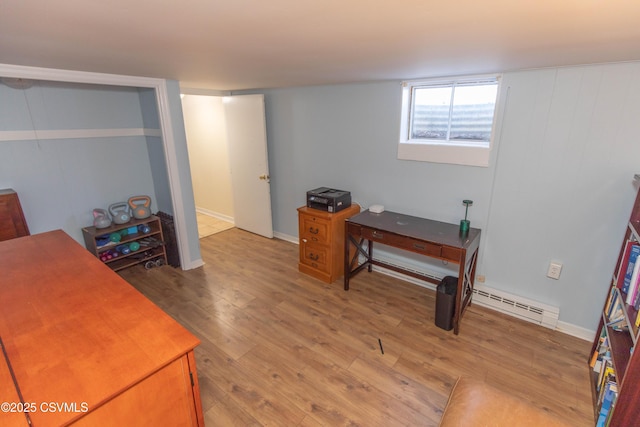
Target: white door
248, 161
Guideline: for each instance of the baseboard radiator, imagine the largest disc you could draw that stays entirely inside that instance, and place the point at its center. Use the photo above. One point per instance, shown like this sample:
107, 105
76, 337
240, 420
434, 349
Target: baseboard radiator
513, 305
531, 311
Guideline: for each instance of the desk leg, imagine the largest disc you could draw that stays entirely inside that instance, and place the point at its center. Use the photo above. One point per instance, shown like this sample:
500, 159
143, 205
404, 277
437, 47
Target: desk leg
464, 294
470, 278
351, 264
457, 314
370, 257
347, 258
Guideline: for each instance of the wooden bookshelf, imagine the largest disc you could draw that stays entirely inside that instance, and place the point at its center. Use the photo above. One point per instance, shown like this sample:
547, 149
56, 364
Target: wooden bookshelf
624, 409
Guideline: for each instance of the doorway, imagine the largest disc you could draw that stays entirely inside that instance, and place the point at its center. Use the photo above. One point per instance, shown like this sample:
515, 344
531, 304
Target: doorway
226, 139
205, 128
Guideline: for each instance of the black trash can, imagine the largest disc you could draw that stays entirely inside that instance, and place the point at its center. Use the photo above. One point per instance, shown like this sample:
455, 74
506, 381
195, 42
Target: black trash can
446, 302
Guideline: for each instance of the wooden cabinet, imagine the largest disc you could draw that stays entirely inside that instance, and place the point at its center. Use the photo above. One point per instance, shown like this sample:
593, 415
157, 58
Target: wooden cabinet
10, 416
615, 341
84, 346
322, 242
12, 222
144, 236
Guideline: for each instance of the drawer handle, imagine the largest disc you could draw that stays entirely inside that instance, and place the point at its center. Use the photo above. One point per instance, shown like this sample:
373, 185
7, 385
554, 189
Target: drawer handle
377, 235
419, 246
314, 230
313, 257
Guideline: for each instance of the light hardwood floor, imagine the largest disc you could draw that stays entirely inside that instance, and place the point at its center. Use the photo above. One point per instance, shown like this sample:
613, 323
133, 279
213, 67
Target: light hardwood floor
280, 348
208, 225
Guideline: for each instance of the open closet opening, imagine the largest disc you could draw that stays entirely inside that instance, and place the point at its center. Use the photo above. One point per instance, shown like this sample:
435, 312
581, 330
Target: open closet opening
72, 141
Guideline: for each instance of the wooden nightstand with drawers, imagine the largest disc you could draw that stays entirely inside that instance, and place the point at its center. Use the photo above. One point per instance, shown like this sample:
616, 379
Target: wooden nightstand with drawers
322, 242
12, 222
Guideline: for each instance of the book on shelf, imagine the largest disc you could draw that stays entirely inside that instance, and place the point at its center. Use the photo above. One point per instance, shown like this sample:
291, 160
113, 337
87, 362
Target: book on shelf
615, 316
601, 354
607, 374
632, 286
636, 298
610, 393
597, 365
596, 356
615, 313
613, 294
625, 269
619, 324
615, 309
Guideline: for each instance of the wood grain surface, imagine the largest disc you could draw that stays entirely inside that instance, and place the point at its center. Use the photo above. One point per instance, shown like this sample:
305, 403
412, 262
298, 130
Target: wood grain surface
282, 348
74, 331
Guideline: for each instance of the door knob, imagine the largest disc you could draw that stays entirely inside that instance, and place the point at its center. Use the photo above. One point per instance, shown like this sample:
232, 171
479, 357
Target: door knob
264, 177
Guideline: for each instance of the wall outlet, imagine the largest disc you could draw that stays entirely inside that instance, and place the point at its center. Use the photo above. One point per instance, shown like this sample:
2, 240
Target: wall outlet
480, 278
554, 270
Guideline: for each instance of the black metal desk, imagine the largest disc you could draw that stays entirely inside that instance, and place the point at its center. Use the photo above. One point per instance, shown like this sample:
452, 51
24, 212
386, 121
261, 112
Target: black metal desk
430, 238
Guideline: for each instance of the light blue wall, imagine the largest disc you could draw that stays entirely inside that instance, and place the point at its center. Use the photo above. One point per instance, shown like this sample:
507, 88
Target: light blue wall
346, 137
155, 148
559, 186
56, 106
563, 189
60, 181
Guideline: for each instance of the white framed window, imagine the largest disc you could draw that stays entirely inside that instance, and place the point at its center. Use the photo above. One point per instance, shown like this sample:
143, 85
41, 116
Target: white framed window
449, 120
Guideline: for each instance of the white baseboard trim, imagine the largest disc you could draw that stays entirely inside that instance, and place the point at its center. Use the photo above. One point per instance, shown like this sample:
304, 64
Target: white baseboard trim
576, 331
404, 277
213, 214
564, 327
193, 264
287, 237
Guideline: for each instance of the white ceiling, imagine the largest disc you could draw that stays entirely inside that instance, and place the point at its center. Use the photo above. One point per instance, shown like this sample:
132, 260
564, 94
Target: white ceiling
242, 44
